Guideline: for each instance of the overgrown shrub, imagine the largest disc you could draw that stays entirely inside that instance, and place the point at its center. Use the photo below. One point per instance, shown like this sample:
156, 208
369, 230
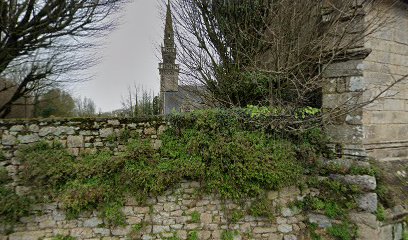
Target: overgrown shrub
227, 151
12, 206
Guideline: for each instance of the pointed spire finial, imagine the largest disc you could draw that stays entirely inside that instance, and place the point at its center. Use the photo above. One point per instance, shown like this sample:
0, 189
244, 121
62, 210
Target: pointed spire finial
168, 29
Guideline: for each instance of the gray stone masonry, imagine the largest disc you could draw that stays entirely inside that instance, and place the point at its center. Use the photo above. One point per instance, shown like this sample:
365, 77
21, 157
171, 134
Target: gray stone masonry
170, 213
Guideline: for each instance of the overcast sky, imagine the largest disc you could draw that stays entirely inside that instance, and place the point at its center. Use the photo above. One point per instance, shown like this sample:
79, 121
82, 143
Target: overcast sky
128, 57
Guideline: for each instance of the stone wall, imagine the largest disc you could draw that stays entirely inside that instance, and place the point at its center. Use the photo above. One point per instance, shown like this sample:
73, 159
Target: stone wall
77, 135
180, 211
386, 120
82, 135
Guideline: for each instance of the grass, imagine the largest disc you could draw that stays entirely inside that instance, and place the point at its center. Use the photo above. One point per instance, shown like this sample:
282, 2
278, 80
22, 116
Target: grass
228, 235
380, 213
343, 231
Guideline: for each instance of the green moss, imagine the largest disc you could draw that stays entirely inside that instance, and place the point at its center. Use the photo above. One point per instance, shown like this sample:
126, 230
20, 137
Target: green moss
237, 215
174, 237
356, 170
261, 208
111, 138
195, 217
193, 235
12, 206
228, 235
136, 231
2, 157
335, 199
113, 214
333, 210
344, 231
312, 227
4, 177
380, 213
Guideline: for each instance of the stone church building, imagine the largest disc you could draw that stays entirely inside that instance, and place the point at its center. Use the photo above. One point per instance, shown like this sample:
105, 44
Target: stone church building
174, 97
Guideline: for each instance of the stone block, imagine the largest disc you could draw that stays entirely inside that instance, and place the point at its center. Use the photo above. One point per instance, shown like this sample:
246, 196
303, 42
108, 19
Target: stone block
114, 122
272, 195
204, 235
321, 220
75, 141
289, 212
386, 232
31, 235
150, 131
356, 84
82, 233
161, 129
121, 231
368, 202
344, 69
31, 138
367, 219
398, 231
289, 192
34, 128
365, 182
290, 237
17, 128
366, 233
45, 131
105, 132
394, 104
261, 230
206, 218
160, 229
92, 222
285, 228
58, 231
64, 130
8, 140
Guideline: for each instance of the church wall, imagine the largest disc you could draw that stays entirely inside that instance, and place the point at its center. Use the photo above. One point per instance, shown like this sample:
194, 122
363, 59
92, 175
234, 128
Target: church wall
386, 119
378, 129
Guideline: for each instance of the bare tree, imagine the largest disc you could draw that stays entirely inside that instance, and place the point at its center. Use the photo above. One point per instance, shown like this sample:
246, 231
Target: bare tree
266, 52
84, 107
40, 40
140, 102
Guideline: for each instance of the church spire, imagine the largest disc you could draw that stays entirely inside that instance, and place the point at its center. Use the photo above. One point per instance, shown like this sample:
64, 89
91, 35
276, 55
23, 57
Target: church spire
168, 68
168, 29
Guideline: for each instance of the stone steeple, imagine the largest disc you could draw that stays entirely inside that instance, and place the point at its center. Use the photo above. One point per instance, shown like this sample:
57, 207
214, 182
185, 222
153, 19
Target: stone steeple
168, 29
169, 70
